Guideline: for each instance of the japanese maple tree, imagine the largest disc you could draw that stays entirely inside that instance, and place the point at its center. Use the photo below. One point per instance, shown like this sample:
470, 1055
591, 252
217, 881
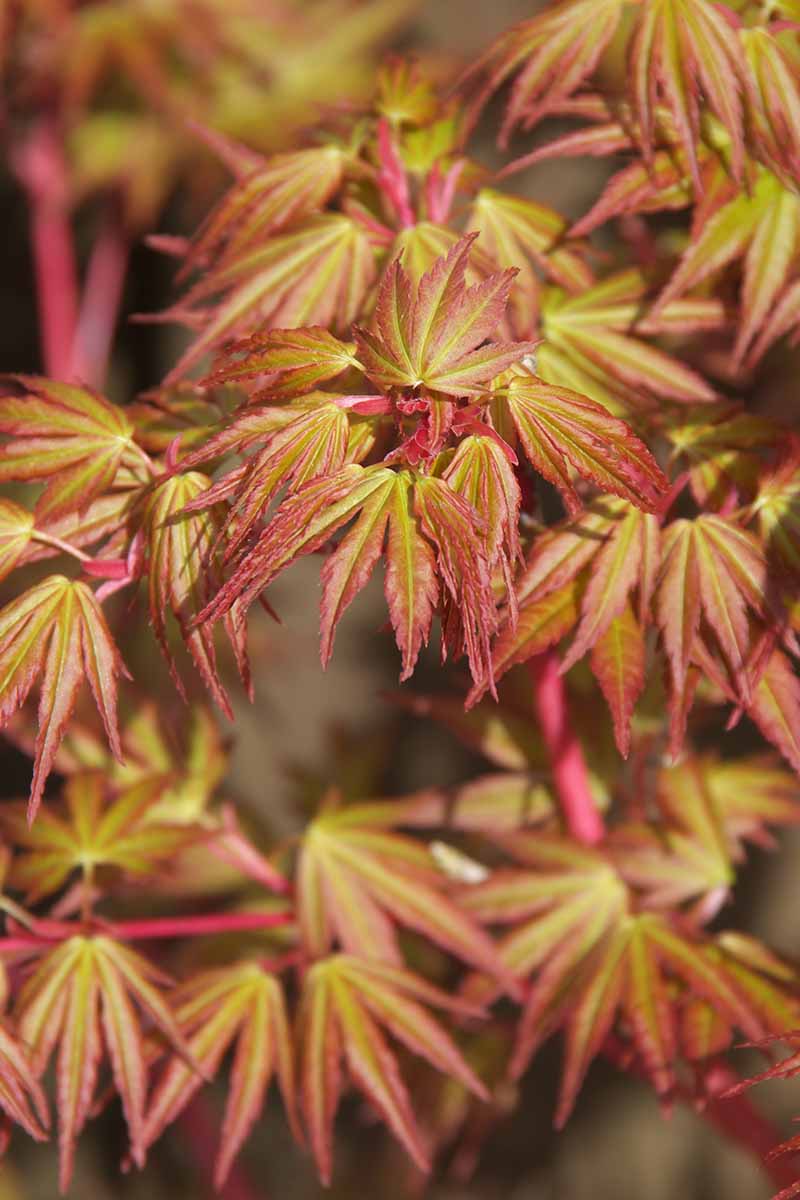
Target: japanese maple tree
548, 439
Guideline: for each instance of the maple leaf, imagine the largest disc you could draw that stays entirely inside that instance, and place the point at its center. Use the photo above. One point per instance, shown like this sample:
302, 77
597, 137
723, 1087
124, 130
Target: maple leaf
683, 54
83, 997
724, 449
317, 273
92, 831
286, 362
57, 630
762, 227
240, 1003
593, 344
276, 192
357, 877
433, 336
520, 234
599, 964
345, 1002
560, 429
181, 548
772, 100
71, 438
432, 531
714, 569
552, 54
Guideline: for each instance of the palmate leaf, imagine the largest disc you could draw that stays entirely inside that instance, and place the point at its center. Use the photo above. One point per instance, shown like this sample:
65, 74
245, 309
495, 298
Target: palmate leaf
593, 344
761, 227
316, 273
85, 997
93, 830
239, 1003
286, 362
562, 432
181, 550
432, 532
600, 964
434, 336
773, 99
684, 54
358, 878
552, 55
71, 438
344, 1004
521, 234
57, 630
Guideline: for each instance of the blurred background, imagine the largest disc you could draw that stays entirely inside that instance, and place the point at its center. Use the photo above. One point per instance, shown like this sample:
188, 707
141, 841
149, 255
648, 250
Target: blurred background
259, 70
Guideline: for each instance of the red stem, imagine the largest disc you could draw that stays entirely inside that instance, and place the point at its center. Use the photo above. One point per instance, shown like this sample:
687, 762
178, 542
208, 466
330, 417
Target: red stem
158, 927
738, 1119
41, 169
102, 297
570, 777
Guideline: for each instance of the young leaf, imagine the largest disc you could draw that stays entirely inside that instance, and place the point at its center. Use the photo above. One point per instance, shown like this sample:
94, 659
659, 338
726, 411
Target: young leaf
83, 997
356, 879
345, 1002
72, 438
434, 336
57, 630
240, 1003
91, 831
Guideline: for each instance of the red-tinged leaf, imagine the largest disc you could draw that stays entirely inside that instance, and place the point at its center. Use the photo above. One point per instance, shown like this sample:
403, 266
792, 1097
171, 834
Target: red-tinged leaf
647, 1007
662, 185
433, 336
91, 829
552, 55
21, 1097
348, 569
303, 523
312, 444
182, 551
589, 1024
678, 602
284, 362
773, 99
318, 273
16, 531
83, 996
684, 50
282, 189
481, 472
411, 586
785, 317
618, 662
457, 533
775, 707
540, 625
240, 1003
57, 630
63, 434
343, 1006
560, 429
353, 875
518, 233
763, 227
596, 329
615, 572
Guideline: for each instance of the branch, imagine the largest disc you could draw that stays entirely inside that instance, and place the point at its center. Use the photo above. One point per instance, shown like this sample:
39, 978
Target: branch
41, 170
42, 932
102, 297
570, 777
